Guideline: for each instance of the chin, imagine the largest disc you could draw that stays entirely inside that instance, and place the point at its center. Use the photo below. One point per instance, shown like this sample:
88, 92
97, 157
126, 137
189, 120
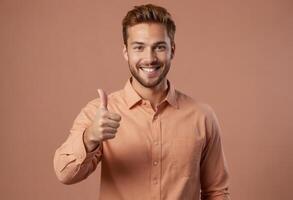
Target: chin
152, 83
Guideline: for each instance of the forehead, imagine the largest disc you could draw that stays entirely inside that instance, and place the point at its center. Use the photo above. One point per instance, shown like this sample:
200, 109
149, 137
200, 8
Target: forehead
147, 33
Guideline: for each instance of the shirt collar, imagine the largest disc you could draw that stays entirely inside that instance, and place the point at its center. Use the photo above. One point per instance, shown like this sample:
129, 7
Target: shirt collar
132, 97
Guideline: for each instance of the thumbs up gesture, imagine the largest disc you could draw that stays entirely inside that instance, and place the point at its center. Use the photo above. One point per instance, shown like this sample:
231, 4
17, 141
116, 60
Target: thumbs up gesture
104, 125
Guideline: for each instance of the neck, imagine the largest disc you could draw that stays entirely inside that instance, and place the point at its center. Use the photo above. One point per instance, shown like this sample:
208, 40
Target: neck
155, 94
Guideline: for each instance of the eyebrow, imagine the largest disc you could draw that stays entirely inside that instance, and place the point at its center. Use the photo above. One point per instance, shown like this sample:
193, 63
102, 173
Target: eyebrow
141, 43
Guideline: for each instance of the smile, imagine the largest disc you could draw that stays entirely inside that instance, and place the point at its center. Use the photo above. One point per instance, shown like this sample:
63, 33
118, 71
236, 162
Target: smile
150, 71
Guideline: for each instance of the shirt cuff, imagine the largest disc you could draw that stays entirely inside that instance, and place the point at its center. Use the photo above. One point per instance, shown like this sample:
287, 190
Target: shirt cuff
80, 152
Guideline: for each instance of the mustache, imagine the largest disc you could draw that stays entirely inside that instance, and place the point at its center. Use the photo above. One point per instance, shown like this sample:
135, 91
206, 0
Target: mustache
157, 64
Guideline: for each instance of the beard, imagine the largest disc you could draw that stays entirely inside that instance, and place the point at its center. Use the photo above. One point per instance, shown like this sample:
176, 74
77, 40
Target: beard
135, 72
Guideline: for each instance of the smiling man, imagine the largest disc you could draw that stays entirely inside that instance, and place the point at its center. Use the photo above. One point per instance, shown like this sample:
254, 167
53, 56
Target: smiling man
151, 140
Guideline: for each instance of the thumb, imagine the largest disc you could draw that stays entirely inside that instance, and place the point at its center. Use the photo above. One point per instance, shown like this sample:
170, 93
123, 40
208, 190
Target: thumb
104, 99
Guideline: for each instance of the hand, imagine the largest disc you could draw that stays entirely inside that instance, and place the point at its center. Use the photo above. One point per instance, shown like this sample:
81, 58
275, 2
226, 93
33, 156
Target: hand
104, 125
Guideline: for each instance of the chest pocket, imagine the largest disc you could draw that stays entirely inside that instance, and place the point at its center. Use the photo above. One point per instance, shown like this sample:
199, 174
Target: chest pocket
186, 153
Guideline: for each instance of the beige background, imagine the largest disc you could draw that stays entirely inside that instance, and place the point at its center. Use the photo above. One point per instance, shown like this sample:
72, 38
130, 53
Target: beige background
235, 55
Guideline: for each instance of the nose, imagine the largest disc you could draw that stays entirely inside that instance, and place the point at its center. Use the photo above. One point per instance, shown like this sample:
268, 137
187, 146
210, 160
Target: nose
150, 56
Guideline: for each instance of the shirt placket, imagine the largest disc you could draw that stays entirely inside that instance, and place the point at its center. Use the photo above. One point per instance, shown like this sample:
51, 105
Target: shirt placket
156, 152
156, 157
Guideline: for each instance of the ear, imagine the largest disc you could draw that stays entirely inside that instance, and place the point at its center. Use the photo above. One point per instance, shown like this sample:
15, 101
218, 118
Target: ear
173, 50
125, 54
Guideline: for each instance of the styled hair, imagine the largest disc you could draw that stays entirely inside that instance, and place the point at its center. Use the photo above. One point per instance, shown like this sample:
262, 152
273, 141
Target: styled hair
148, 13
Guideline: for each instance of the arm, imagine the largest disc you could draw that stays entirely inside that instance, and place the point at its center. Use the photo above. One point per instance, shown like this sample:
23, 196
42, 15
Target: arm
214, 172
72, 161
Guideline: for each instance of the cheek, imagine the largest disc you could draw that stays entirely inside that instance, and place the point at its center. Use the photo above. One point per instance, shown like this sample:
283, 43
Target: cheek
133, 58
165, 58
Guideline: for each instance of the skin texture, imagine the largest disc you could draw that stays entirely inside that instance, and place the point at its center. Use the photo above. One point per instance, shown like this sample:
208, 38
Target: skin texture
148, 46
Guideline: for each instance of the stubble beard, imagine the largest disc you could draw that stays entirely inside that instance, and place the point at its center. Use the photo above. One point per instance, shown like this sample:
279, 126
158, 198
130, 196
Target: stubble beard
162, 76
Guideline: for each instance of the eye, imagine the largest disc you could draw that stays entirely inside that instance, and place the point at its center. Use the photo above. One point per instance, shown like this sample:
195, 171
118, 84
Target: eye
138, 48
161, 48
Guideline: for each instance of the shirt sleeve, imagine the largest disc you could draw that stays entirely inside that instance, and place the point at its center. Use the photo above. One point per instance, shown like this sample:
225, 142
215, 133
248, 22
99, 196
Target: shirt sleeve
72, 163
214, 171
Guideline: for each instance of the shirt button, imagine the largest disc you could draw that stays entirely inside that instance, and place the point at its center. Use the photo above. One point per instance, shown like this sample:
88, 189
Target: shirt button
156, 143
155, 181
155, 163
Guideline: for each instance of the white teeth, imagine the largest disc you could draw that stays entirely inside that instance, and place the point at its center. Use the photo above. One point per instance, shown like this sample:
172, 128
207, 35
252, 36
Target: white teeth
148, 69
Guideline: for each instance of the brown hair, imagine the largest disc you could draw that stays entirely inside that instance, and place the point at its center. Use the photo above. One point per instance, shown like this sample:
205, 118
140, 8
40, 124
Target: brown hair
148, 14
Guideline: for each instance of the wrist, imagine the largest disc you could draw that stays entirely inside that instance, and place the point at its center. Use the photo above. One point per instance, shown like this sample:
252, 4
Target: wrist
89, 141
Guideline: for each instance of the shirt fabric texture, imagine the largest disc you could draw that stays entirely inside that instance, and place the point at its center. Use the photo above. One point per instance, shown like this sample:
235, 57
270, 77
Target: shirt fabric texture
173, 152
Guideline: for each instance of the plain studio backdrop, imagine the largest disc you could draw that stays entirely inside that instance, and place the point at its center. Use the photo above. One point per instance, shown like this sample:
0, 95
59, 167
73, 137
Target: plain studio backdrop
236, 56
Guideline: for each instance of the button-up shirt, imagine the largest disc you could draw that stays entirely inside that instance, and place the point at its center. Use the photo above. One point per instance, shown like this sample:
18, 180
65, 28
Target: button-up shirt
172, 152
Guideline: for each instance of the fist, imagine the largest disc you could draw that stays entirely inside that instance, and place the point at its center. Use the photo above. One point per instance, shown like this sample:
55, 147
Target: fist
105, 123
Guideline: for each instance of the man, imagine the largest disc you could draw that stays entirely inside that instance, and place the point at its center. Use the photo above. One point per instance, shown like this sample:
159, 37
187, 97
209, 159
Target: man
152, 141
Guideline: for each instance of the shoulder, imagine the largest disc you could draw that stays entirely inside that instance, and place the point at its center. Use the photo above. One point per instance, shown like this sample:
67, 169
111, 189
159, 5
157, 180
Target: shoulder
185, 101
203, 114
